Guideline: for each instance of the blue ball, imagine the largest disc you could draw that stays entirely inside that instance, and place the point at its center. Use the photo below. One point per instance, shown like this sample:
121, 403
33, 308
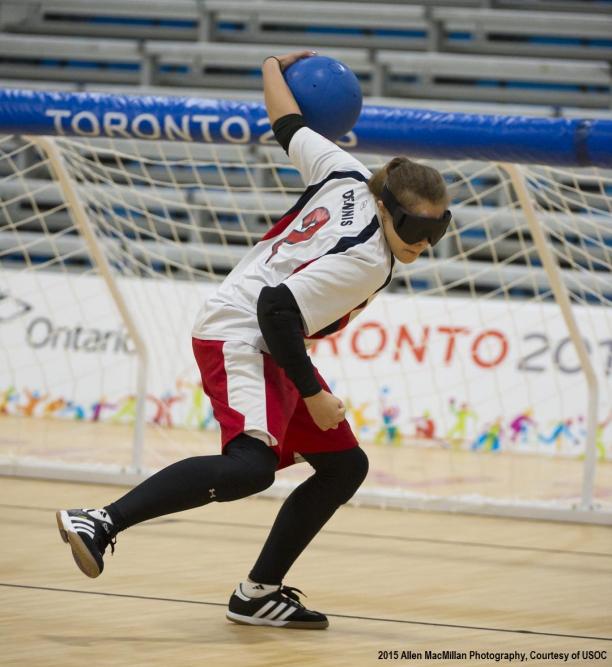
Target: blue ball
328, 94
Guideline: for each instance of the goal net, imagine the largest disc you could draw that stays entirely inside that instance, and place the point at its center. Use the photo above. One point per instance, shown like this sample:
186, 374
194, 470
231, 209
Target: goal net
479, 380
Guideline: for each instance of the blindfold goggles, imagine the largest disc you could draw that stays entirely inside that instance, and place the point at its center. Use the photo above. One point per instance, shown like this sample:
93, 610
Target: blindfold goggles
414, 228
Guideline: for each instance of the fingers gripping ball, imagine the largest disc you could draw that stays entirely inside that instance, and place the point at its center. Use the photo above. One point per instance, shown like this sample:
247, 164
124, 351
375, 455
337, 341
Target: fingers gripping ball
328, 94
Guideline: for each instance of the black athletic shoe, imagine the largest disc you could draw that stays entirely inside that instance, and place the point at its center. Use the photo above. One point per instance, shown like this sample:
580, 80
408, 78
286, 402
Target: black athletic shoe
88, 537
281, 609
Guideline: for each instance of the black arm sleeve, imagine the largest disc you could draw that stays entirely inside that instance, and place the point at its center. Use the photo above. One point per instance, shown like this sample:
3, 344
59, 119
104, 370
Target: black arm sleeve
280, 322
286, 126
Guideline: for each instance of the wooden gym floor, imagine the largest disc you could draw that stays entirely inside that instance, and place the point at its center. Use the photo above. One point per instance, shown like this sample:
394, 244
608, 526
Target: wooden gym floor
389, 580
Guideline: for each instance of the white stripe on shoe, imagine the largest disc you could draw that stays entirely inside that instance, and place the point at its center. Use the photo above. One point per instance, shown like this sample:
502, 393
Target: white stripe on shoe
286, 613
72, 525
84, 532
84, 519
260, 613
81, 528
276, 611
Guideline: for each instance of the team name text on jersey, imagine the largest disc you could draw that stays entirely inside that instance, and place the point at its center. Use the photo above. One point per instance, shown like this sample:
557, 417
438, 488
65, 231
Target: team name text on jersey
348, 208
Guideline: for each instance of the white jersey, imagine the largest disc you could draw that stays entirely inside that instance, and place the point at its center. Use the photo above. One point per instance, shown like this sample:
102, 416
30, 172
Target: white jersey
328, 249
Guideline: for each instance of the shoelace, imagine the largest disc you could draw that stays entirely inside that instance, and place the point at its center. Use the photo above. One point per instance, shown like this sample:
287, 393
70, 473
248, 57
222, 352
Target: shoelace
111, 540
292, 592
103, 541
107, 540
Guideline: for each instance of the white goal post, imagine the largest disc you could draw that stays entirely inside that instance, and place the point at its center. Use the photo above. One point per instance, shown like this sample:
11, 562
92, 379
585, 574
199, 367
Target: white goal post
480, 382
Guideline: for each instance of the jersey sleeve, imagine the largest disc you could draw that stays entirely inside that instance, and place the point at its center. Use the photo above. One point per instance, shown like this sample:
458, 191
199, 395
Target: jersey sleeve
332, 286
316, 157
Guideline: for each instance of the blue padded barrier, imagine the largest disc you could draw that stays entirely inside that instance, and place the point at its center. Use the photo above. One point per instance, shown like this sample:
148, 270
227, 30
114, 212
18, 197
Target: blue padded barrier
385, 130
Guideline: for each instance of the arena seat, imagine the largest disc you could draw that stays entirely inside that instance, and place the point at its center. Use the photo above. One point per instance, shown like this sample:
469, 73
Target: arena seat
46, 84
500, 79
63, 58
537, 33
553, 5
138, 19
329, 23
228, 65
326, 23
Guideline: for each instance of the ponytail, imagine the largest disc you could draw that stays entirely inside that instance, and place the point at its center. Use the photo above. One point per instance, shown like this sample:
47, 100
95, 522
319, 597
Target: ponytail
410, 182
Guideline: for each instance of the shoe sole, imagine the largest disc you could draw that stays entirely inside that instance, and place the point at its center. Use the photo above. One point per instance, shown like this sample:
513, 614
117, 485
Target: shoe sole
82, 557
297, 625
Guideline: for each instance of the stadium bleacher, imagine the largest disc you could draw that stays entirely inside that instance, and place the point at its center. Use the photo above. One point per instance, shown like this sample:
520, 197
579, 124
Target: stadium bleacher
536, 33
499, 78
544, 57
212, 64
496, 50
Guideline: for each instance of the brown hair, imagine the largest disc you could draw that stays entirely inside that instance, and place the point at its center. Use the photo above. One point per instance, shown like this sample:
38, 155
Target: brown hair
410, 182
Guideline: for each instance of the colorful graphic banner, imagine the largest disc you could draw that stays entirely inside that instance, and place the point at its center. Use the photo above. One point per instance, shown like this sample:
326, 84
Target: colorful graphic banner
475, 374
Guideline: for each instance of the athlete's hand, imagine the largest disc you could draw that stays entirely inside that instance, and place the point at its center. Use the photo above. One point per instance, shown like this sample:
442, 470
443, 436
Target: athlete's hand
290, 58
277, 94
326, 410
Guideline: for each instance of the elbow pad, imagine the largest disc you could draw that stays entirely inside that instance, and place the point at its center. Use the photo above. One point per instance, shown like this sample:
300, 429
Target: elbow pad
278, 301
285, 127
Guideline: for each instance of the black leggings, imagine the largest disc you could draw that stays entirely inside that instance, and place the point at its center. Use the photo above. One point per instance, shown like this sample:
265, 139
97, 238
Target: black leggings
247, 467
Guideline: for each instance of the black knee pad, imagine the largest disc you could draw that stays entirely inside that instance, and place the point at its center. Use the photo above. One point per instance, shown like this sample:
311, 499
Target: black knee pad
257, 461
342, 473
355, 469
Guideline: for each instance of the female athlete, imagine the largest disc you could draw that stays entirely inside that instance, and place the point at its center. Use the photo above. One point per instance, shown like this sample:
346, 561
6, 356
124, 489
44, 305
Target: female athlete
316, 268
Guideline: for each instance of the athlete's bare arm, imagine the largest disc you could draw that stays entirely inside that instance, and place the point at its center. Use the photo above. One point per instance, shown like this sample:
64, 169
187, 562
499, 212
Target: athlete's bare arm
326, 410
278, 98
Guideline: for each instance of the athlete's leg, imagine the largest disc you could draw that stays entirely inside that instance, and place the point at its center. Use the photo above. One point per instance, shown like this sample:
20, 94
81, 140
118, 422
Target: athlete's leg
247, 396
337, 476
340, 467
247, 466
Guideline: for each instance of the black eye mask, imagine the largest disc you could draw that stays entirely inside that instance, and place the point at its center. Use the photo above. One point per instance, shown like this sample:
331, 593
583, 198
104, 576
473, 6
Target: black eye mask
414, 228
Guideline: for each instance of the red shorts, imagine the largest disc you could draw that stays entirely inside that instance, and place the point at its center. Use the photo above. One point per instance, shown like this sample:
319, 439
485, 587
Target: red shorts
251, 394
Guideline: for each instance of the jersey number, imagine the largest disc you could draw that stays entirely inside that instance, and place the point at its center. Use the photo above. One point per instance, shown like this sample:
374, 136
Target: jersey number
311, 223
